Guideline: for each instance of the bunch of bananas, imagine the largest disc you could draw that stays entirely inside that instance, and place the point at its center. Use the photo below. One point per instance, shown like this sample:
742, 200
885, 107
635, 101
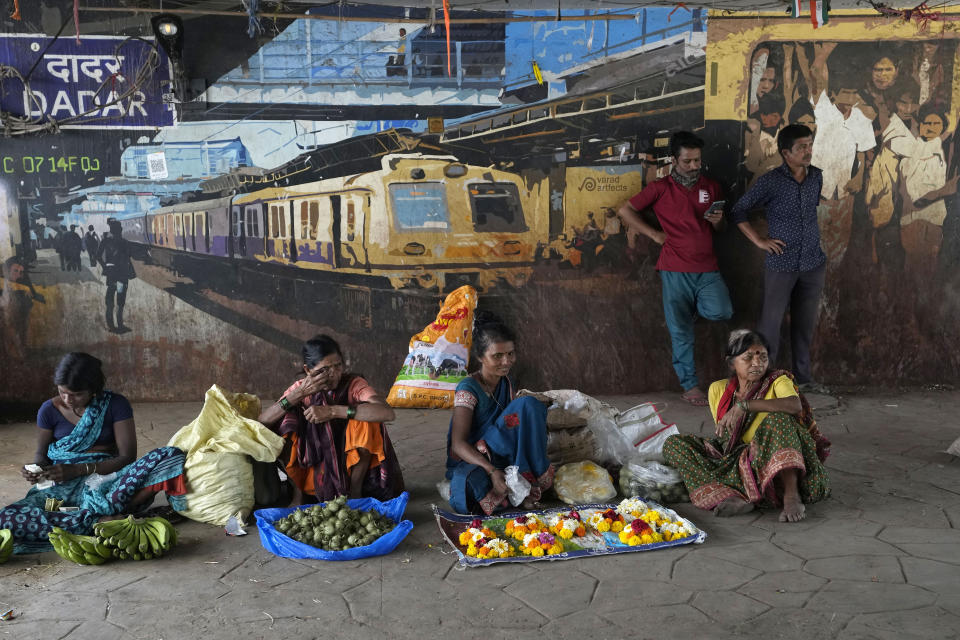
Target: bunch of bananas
135, 538
6, 545
79, 549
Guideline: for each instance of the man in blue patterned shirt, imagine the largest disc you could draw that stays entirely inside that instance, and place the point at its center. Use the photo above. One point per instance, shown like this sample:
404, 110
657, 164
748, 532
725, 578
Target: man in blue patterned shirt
795, 264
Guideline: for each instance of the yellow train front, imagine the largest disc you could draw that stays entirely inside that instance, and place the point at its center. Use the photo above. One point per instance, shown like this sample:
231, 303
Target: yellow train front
419, 222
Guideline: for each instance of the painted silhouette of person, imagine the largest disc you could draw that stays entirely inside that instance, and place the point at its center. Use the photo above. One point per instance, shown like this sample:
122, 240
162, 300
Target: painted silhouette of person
114, 256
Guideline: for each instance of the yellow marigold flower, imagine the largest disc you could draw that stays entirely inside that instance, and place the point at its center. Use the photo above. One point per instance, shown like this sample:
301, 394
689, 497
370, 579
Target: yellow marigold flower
624, 536
646, 538
555, 549
633, 541
537, 553
616, 526
566, 534
465, 537
471, 550
603, 526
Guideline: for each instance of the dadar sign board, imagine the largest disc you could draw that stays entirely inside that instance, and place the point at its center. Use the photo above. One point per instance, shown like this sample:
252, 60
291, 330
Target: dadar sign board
82, 85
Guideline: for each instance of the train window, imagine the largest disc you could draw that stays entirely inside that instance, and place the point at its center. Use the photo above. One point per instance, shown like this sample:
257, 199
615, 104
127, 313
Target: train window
253, 223
178, 225
278, 222
305, 228
420, 205
200, 227
237, 223
496, 207
314, 218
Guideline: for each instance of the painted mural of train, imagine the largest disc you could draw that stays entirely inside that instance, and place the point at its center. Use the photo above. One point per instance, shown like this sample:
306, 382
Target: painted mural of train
420, 221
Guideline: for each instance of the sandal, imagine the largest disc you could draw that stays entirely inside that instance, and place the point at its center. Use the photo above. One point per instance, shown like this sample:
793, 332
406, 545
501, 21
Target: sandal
695, 400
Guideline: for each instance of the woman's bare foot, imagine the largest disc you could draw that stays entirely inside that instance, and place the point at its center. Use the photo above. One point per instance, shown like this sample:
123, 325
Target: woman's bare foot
793, 509
695, 396
732, 507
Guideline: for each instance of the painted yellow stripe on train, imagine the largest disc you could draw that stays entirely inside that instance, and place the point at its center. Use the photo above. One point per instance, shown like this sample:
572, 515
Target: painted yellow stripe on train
294, 191
731, 42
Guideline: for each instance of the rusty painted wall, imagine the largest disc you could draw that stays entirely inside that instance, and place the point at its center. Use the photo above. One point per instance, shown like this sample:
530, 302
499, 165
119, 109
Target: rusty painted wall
881, 95
226, 283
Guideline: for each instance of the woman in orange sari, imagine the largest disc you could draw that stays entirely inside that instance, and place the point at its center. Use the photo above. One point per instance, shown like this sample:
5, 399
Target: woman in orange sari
333, 423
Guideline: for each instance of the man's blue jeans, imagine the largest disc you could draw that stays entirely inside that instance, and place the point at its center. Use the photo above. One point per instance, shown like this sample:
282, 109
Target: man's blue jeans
686, 295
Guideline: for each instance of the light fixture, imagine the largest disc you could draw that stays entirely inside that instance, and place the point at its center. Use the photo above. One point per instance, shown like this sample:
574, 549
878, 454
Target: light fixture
169, 31
168, 28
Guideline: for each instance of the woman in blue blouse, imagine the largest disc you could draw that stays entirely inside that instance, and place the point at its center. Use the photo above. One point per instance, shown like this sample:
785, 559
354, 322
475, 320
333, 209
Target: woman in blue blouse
87, 451
491, 429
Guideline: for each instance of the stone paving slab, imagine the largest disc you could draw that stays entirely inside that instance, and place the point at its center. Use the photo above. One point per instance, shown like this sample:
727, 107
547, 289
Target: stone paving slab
877, 560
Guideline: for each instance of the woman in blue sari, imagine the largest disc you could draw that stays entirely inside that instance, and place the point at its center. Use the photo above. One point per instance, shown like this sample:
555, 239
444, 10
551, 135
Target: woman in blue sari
491, 429
86, 447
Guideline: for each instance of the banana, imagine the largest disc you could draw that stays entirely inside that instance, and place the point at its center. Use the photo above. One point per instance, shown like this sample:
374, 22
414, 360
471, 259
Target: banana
170, 528
160, 529
154, 545
110, 527
144, 545
102, 550
93, 558
89, 545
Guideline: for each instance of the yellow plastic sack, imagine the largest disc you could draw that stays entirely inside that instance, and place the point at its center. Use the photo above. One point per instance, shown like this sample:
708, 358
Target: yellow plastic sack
438, 356
584, 483
217, 443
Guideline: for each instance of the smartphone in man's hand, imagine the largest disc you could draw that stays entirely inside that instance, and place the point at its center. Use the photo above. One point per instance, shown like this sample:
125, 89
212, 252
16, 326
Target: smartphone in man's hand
715, 207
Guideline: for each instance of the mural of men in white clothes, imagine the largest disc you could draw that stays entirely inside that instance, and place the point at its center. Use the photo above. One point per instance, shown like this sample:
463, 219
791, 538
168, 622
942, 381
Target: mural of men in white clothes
838, 141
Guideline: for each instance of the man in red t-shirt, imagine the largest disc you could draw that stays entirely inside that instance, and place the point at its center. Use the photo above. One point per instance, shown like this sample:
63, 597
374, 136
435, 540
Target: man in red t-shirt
688, 267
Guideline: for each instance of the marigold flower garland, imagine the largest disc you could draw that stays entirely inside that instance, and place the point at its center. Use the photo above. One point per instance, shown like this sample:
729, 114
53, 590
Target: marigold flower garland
652, 526
522, 525
482, 542
608, 520
568, 525
541, 544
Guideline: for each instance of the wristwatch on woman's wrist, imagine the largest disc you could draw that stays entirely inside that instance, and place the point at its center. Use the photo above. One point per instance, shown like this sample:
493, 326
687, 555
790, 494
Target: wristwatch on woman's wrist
284, 403
351, 412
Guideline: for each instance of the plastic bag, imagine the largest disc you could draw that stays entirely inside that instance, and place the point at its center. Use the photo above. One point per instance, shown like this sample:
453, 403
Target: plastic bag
279, 544
653, 481
608, 443
584, 482
954, 449
443, 488
217, 443
643, 427
518, 487
438, 356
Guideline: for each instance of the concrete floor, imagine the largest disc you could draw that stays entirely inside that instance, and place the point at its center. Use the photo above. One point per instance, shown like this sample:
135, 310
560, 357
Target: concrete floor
880, 559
